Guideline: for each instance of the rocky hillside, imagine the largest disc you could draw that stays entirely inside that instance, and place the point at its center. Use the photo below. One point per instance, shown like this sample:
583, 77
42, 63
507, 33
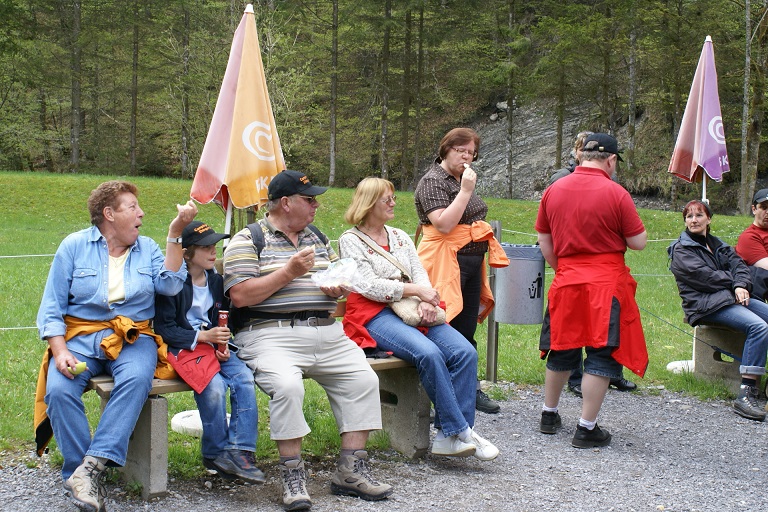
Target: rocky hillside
532, 152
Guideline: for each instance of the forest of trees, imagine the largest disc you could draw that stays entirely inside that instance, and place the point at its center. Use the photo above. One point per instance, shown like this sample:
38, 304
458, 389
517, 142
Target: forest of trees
368, 87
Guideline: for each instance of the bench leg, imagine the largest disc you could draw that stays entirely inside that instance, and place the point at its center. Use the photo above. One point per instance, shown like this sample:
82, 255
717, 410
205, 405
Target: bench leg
147, 461
709, 363
405, 411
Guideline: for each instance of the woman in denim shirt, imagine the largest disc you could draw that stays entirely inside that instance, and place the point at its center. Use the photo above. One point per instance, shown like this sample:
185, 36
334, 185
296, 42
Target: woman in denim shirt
96, 309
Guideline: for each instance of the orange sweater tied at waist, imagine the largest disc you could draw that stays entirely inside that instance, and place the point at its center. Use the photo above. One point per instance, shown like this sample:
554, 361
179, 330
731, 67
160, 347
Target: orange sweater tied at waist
437, 253
124, 329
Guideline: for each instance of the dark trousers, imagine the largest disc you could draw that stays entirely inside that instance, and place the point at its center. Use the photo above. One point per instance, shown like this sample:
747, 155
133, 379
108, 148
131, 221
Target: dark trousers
471, 267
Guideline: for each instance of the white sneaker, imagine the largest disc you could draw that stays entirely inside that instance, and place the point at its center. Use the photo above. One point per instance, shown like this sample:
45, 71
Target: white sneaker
452, 447
485, 450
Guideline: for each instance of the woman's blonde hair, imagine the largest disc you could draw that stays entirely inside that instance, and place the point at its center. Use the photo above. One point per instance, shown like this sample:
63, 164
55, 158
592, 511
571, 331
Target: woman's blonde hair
367, 193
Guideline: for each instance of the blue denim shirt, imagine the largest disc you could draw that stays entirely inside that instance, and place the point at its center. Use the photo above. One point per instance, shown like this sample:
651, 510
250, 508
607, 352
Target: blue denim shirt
77, 285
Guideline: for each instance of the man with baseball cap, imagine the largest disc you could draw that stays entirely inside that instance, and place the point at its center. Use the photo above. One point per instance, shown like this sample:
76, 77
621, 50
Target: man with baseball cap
591, 302
288, 333
752, 245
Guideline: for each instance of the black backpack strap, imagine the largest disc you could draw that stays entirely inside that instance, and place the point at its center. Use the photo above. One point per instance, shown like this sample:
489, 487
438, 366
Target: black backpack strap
257, 234
319, 233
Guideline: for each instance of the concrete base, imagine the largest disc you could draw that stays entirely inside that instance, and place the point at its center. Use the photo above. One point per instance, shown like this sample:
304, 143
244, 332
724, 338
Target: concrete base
711, 363
404, 407
147, 461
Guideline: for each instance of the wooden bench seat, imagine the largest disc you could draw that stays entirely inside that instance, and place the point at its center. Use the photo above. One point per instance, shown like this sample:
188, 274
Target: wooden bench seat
405, 409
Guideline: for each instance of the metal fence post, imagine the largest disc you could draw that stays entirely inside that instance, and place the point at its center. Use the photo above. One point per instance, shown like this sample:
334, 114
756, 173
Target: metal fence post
492, 345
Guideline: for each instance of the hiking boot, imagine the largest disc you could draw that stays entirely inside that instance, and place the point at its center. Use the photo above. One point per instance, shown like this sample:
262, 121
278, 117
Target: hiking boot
483, 403
485, 449
550, 422
623, 384
295, 495
353, 478
231, 464
746, 404
452, 446
86, 485
585, 438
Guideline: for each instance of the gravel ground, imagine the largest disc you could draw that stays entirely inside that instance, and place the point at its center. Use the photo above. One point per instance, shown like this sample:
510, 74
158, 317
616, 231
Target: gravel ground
669, 452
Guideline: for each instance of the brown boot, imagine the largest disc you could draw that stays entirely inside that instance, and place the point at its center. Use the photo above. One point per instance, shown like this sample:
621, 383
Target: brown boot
353, 478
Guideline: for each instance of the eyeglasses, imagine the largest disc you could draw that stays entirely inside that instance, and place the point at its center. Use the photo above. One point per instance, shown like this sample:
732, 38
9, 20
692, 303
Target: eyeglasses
390, 199
464, 151
309, 199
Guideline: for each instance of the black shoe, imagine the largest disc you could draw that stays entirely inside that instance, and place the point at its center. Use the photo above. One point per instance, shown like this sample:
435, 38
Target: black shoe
483, 403
746, 404
231, 464
585, 438
623, 384
550, 422
575, 389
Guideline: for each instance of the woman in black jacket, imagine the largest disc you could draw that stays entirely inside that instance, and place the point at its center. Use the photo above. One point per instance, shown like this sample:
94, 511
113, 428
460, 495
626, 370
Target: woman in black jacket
714, 284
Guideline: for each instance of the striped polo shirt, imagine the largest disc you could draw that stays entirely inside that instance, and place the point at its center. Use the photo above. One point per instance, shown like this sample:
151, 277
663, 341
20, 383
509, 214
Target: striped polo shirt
437, 189
242, 263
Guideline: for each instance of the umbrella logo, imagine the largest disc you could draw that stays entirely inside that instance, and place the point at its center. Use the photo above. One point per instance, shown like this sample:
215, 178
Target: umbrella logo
252, 132
716, 130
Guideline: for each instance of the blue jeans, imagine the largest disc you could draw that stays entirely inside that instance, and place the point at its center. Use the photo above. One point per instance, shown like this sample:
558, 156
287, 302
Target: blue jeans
212, 403
751, 320
132, 372
445, 360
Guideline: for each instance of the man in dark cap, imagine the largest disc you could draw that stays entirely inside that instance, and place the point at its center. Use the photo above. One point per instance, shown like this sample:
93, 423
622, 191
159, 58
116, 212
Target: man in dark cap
752, 245
288, 333
585, 224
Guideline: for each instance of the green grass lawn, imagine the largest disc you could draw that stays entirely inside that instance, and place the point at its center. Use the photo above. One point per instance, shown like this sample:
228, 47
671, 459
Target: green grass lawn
38, 210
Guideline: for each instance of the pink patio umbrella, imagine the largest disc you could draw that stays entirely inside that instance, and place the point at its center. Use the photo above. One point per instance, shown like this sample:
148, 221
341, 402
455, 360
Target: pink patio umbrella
701, 141
242, 151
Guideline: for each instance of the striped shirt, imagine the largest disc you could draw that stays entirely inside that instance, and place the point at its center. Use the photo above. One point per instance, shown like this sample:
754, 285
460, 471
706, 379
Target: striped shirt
437, 189
242, 263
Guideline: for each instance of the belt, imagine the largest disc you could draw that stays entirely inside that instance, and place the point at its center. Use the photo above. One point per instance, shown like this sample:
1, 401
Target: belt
309, 322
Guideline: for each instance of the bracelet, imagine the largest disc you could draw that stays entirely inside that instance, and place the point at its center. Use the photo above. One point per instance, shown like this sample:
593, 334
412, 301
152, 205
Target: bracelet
172, 240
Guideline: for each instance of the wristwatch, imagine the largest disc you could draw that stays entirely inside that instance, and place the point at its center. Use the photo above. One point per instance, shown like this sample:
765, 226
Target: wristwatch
172, 240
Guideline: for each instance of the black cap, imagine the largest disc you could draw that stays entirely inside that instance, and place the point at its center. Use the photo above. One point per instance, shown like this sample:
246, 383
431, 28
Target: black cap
760, 196
200, 233
604, 143
288, 183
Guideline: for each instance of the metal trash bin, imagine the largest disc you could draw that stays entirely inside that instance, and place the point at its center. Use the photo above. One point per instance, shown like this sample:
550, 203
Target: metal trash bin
520, 286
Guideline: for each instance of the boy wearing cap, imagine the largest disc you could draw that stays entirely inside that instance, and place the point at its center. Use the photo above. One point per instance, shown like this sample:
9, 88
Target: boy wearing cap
752, 245
198, 350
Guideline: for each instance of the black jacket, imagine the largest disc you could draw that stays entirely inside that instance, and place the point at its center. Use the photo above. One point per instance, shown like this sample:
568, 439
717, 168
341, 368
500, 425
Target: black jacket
706, 280
170, 313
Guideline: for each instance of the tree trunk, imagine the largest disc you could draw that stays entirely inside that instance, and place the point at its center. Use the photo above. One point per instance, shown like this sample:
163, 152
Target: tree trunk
511, 188
629, 156
404, 118
560, 116
385, 89
755, 130
747, 178
417, 98
134, 86
185, 170
76, 58
47, 160
334, 90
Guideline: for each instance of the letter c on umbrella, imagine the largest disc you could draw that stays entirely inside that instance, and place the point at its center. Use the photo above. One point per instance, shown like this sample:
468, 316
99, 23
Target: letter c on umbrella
252, 131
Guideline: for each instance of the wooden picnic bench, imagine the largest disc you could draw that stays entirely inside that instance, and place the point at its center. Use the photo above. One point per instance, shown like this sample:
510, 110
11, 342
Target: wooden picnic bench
405, 409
